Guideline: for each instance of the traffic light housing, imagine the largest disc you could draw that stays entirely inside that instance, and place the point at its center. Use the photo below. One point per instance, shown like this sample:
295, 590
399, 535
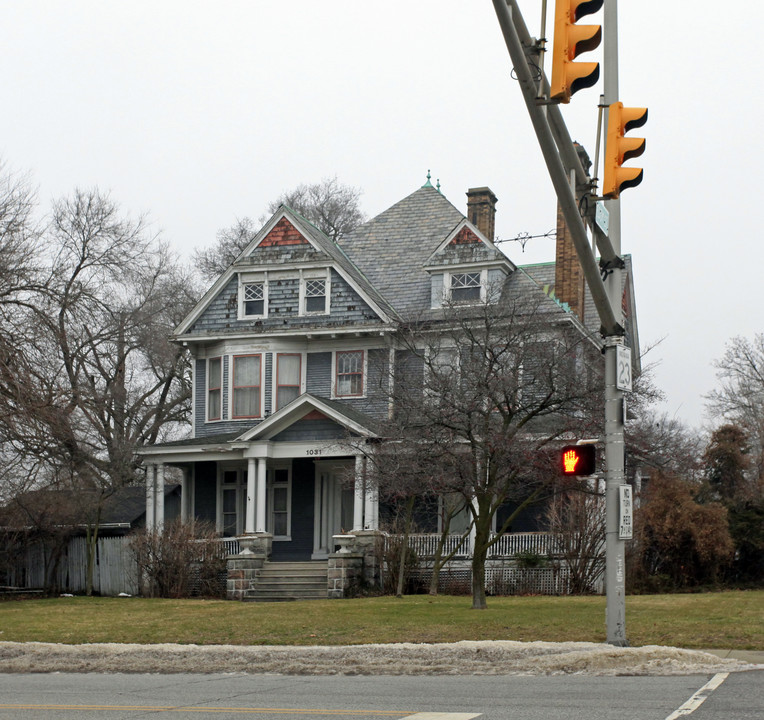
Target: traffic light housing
618, 149
569, 41
578, 460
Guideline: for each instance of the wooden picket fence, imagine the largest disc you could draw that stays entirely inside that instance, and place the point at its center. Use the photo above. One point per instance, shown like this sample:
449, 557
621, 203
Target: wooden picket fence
115, 569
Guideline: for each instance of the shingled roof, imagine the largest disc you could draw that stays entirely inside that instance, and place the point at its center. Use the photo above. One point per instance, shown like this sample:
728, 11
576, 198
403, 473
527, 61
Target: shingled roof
392, 249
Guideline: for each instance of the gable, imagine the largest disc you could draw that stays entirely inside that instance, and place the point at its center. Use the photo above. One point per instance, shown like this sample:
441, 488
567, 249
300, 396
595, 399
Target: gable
283, 233
465, 236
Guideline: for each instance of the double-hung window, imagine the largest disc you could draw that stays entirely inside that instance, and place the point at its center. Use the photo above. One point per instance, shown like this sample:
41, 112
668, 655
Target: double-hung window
214, 388
315, 295
466, 287
349, 373
288, 378
253, 297
246, 386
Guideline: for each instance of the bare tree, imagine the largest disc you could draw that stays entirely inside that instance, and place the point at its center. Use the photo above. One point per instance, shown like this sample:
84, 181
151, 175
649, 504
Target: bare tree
87, 373
481, 394
740, 396
332, 207
576, 519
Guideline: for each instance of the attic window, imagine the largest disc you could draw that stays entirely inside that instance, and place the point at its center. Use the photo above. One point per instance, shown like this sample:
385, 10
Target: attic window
315, 296
254, 299
465, 287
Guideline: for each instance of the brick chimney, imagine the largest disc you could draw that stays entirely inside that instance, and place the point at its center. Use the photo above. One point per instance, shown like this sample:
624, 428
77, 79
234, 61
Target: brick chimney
569, 281
481, 210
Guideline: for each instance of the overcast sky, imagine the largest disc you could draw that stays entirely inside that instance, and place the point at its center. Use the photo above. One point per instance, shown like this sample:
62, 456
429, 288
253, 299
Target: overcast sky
199, 113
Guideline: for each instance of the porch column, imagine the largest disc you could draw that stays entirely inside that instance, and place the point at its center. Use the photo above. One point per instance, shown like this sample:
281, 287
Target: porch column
249, 515
160, 498
185, 489
261, 476
150, 497
358, 489
371, 510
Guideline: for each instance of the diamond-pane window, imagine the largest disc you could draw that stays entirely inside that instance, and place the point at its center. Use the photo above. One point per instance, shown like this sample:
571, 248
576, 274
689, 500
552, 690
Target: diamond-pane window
315, 296
254, 298
465, 287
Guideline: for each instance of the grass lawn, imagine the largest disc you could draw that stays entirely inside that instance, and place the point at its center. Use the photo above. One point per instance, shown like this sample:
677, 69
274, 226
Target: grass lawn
733, 619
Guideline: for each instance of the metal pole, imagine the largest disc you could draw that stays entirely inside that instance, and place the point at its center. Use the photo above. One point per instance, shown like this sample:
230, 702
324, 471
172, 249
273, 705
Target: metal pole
615, 565
557, 171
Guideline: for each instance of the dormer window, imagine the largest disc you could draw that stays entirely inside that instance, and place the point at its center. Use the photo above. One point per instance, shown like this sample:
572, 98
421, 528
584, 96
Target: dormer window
254, 299
466, 287
315, 296
314, 292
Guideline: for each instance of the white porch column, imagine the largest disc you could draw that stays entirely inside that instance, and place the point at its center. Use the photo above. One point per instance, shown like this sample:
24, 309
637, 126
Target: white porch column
150, 497
249, 515
371, 510
185, 489
358, 489
260, 515
159, 502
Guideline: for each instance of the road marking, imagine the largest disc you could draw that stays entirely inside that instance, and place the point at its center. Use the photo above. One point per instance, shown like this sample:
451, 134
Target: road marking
699, 697
442, 716
268, 711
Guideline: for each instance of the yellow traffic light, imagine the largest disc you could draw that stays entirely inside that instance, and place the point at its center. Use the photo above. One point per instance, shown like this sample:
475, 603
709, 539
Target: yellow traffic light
618, 149
569, 41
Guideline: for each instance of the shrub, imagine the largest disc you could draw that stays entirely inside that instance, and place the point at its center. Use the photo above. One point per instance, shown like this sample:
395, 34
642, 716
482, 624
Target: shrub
184, 559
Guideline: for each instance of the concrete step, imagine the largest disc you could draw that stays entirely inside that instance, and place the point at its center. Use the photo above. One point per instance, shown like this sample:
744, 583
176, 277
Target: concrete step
279, 581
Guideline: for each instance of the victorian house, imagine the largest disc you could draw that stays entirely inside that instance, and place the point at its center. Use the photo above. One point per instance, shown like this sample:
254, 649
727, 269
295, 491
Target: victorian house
292, 357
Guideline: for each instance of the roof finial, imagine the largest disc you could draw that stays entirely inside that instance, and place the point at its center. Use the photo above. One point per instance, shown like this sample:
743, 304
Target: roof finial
428, 183
437, 185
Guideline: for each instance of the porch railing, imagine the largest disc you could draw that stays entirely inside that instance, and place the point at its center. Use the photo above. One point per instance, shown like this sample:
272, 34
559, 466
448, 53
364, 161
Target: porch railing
508, 545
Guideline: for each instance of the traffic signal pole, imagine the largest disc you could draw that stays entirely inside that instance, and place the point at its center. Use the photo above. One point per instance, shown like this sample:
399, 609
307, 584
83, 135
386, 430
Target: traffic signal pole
615, 560
557, 150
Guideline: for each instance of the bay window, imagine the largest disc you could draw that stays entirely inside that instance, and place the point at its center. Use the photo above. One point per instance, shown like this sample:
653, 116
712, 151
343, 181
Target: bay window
246, 386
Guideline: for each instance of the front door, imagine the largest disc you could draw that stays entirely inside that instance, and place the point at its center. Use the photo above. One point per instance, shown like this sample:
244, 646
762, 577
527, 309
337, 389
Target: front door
333, 504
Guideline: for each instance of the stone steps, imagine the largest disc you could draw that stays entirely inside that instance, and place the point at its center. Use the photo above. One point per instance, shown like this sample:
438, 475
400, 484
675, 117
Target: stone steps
280, 581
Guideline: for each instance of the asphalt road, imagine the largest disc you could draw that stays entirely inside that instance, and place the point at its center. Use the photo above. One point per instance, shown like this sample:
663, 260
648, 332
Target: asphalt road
739, 696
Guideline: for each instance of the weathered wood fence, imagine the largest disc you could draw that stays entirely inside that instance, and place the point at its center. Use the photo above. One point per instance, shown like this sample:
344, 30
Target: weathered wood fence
115, 569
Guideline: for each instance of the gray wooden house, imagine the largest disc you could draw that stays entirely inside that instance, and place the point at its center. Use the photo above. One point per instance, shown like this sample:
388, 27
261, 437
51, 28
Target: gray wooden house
291, 364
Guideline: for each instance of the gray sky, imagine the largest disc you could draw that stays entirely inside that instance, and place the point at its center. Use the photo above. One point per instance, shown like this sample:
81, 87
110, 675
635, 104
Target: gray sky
199, 113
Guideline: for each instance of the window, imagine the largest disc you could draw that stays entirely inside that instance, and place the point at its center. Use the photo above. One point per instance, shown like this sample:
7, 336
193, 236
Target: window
288, 373
465, 287
246, 386
349, 374
279, 502
214, 388
253, 299
230, 503
315, 296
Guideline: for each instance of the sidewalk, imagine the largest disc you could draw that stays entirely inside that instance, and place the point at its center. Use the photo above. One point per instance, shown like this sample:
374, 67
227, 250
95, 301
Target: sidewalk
755, 657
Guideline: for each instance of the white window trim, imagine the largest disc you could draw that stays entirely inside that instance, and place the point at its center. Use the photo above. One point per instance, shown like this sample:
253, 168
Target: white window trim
430, 353
334, 395
239, 487
326, 276
207, 390
275, 374
271, 481
231, 386
246, 280
462, 271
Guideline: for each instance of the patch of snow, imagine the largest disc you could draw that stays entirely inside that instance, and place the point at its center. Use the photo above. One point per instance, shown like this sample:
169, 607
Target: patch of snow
500, 657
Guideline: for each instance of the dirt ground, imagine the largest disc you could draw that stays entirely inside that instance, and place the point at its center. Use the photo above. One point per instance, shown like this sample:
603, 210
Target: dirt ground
462, 658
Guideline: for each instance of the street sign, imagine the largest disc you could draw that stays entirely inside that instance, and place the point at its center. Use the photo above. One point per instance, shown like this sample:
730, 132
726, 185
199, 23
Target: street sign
602, 217
623, 372
626, 513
